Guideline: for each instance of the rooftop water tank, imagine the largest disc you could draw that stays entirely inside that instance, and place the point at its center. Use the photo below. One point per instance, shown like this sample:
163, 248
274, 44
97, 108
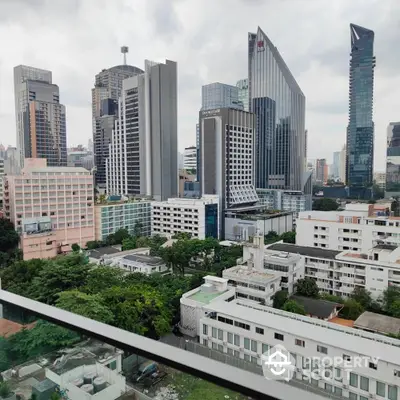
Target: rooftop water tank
78, 382
88, 388
99, 384
89, 377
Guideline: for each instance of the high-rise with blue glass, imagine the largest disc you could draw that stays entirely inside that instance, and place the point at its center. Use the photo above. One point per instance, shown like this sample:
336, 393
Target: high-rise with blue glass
360, 131
279, 105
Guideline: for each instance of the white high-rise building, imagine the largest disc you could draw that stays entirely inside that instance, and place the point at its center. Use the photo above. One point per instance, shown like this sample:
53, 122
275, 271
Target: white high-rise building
190, 158
143, 153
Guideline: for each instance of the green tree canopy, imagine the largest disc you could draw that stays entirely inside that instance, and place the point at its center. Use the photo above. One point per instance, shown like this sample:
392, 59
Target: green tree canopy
9, 238
288, 237
294, 307
390, 295
280, 298
75, 247
325, 204
352, 309
307, 287
362, 296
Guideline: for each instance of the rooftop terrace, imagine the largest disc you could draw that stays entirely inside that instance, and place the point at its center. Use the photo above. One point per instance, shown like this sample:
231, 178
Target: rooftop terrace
205, 297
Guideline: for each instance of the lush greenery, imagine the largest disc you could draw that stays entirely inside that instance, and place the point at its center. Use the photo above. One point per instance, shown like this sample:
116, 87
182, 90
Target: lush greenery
307, 287
325, 204
287, 237
294, 307
9, 240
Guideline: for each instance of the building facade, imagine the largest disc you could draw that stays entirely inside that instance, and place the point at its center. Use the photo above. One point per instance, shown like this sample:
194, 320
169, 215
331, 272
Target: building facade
143, 155
130, 215
380, 179
360, 227
336, 165
279, 104
40, 118
243, 86
1, 179
284, 200
227, 157
105, 94
321, 171
220, 95
51, 207
342, 172
190, 158
198, 217
393, 160
360, 131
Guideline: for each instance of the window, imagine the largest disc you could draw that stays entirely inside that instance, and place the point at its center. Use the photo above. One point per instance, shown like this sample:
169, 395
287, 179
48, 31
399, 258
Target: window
278, 336
253, 360
352, 396
353, 379
338, 374
230, 351
364, 383
214, 346
246, 357
299, 342
380, 389
322, 349
396, 372
221, 348
373, 365
214, 332
205, 330
363, 398
247, 343
236, 340
113, 365
264, 348
220, 334
328, 387
254, 346
205, 342
338, 391
259, 330
392, 392
242, 325
230, 337
346, 357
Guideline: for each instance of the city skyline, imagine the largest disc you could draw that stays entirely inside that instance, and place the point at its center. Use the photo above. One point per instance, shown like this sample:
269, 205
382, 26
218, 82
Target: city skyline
206, 62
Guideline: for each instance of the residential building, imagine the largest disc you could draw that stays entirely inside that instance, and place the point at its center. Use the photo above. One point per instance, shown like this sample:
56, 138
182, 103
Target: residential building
185, 176
284, 200
80, 157
227, 158
1, 179
336, 165
143, 156
342, 171
393, 160
105, 94
220, 95
243, 85
279, 105
114, 215
190, 158
380, 179
40, 118
359, 227
360, 131
198, 217
51, 207
321, 171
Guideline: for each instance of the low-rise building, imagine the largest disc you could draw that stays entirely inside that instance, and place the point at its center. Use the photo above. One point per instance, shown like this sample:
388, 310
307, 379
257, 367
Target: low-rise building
378, 323
114, 215
316, 308
198, 217
284, 200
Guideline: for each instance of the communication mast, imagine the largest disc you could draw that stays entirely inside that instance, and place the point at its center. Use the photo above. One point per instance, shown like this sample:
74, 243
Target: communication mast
124, 50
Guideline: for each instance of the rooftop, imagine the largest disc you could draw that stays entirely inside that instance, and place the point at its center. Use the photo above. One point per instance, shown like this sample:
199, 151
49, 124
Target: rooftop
250, 275
315, 307
304, 250
8, 328
144, 259
204, 297
378, 323
341, 321
385, 247
102, 251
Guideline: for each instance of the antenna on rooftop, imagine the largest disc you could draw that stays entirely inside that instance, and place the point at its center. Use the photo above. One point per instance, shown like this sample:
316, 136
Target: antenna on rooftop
124, 50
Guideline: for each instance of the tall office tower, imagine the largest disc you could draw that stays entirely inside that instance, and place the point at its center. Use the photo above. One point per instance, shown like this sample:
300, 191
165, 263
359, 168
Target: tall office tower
336, 164
227, 158
279, 105
198, 168
40, 118
12, 161
321, 171
393, 160
220, 95
342, 170
105, 94
360, 131
143, 155
243, 86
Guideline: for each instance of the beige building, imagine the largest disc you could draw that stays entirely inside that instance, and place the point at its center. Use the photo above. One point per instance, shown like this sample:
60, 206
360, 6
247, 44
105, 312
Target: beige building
184, 176
51, 207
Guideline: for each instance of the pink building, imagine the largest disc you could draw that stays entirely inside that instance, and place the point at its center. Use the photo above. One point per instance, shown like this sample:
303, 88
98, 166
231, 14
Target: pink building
51, 207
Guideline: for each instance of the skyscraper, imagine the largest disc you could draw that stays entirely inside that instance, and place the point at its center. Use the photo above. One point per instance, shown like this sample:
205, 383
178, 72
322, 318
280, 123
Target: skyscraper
220, 95
143, 156
243, 86
336, 164
279, 105
105, 95
40, 118
393, 160
360, 131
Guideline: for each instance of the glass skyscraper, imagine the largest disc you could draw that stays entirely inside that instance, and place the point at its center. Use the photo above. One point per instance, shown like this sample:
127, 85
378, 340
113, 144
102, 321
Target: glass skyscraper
360, 131
220, 95
243, 86
279, 105
393, 160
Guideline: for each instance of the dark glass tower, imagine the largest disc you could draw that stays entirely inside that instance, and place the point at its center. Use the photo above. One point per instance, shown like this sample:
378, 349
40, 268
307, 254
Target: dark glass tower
360, 131
279, 105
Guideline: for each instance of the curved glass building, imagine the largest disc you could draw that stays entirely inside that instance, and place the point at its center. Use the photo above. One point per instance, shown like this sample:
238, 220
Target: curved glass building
279, 104
360, 131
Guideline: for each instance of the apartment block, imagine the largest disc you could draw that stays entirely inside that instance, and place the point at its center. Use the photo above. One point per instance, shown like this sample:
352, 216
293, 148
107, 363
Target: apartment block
51, 207
359, 227
284, 200
112, 216
198, 217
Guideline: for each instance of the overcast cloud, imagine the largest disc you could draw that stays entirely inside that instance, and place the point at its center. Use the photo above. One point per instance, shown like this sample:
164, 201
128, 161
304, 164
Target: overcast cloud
208, 38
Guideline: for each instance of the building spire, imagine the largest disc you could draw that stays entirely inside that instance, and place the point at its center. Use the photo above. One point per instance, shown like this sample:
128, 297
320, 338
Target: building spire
124, 51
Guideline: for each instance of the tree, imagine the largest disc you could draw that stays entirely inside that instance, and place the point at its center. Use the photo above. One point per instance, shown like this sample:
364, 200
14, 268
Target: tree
102, 278
325, 204
288, 237
5, 390
390, 295
394, 309
352, 309
156, 242
294, 307
89, 305
332, 298
182, 236
280, 298
129, 244
142, 241
395, 207
9, 238
137, 229
75, 247
120, 235
307, 287
271, 237
362, 296
94, 244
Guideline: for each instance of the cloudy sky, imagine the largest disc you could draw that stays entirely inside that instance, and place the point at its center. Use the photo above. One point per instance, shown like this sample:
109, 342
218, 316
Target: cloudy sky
208, 38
